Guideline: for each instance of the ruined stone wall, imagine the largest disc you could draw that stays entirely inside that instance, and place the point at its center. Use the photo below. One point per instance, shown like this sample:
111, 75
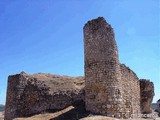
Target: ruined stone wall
111, 88
103, 93
158, 107
147, 93
14, 89
131, 91
31, 94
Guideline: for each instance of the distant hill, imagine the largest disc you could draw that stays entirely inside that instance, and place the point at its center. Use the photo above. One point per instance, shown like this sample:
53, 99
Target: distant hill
2, 107
154, 106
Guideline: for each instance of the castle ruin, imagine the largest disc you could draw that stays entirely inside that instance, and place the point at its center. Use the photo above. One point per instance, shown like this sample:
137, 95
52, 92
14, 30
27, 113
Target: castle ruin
111, 88
102, 69
108, 87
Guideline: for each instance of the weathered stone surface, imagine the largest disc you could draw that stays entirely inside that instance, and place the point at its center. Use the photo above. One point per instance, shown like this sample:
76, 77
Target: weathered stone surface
31, 94
102, 69
147, 93
111, 88
158, 107
131, 90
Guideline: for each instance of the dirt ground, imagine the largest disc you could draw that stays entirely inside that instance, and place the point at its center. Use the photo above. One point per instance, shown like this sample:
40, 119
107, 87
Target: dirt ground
69, 113
1, 115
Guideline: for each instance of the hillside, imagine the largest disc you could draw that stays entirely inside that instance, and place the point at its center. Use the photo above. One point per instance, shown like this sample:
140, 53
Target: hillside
154, 106
1, 107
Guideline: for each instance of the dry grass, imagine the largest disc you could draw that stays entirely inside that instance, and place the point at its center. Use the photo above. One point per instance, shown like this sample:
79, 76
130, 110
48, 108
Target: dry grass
58, 83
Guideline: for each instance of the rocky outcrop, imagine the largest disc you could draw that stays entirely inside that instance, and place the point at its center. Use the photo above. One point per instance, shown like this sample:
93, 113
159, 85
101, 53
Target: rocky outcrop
31, 94
147, 93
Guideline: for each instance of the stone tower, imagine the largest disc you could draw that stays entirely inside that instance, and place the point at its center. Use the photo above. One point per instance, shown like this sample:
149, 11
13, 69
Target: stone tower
103, 92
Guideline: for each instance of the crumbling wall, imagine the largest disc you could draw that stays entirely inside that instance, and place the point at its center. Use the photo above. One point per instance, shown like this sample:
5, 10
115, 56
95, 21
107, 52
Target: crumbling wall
147, 93
103, 93
110, 89
131, 91
158, 107
31, 94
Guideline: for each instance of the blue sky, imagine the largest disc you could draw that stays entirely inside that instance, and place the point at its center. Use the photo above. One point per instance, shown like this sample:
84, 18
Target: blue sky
47, 36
